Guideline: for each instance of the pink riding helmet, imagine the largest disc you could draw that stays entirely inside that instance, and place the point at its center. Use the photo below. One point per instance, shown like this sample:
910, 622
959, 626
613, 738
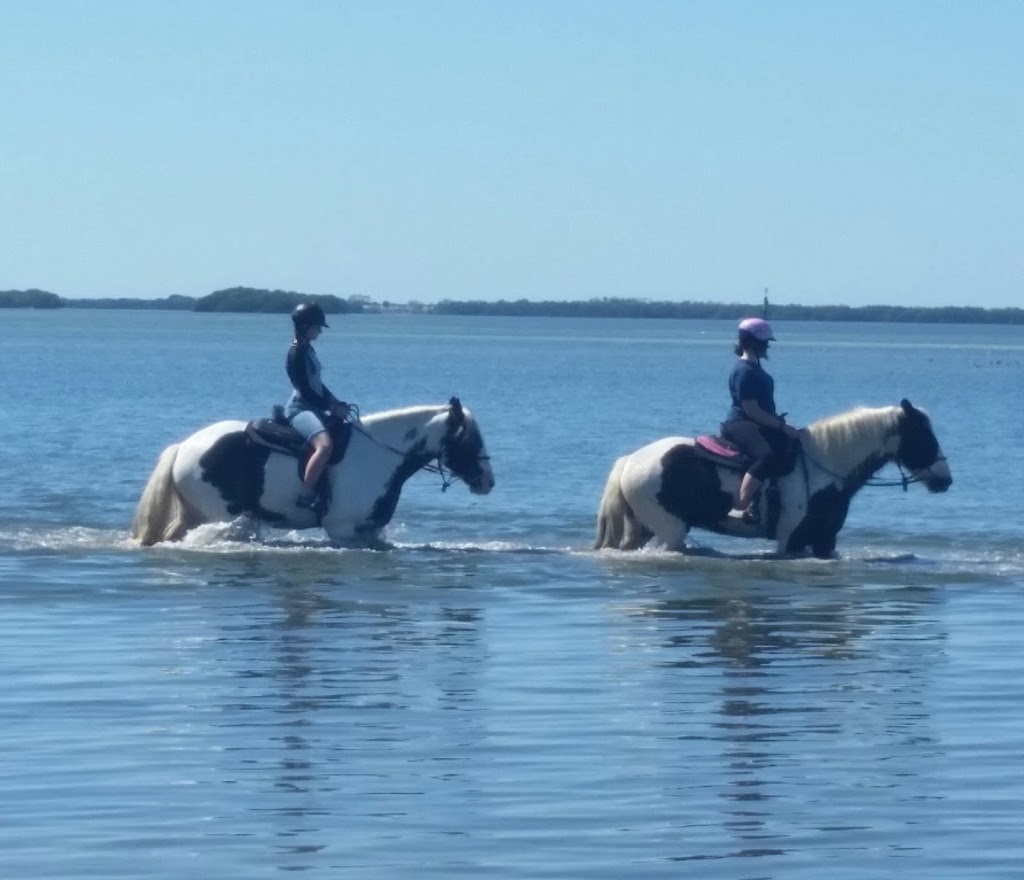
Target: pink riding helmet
759, 328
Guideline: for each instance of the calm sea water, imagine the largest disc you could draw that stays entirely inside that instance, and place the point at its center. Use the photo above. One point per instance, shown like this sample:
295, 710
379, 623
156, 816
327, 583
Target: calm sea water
489, 698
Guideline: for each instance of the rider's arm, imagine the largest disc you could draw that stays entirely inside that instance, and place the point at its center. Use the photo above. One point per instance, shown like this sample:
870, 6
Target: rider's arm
756, 413
335, 404
332, 403
299, 374
329, 397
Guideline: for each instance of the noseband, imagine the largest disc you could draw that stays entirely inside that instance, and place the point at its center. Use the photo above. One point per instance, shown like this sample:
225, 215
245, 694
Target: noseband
903, 480
446, 479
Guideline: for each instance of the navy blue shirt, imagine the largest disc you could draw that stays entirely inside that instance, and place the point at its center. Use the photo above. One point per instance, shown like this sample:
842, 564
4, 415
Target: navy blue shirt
749, 381
308, 391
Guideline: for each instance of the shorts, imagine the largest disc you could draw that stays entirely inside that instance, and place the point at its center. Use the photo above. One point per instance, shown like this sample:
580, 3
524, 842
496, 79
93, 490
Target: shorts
766, 446
307, 423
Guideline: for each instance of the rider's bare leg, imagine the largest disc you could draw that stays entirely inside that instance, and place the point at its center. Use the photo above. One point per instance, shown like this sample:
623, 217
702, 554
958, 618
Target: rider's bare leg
748, 489
322, 448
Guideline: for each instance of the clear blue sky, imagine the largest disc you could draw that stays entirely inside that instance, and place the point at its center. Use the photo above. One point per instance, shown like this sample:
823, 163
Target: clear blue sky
854, 152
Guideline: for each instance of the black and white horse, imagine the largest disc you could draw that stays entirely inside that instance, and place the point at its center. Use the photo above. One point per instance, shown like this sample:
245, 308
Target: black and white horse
220, 473
672, 485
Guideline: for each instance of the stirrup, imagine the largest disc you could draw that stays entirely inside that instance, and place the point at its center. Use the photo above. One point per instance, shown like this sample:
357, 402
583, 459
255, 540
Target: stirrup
307, 502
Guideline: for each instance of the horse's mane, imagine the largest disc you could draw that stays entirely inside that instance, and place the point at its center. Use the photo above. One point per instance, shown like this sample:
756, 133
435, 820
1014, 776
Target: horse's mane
844, 438
402, 412
392, 424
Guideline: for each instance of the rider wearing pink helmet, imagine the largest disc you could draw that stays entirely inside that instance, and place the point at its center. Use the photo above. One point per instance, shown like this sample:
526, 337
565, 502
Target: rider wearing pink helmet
752, 423
756, 328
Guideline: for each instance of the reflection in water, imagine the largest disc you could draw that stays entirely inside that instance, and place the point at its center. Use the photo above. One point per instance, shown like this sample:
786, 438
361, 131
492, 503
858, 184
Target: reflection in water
347, 702
799, 676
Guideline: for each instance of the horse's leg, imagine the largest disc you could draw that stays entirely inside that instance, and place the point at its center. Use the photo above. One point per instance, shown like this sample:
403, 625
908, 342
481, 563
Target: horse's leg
638, 512
244, 527
681, 491
653, 521
672, 533
812, 523
825, 548
820, 544
636, 534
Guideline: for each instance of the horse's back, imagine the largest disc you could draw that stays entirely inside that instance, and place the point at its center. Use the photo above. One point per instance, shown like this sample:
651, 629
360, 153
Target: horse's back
211, 433
658, 448
193, 448
642, 469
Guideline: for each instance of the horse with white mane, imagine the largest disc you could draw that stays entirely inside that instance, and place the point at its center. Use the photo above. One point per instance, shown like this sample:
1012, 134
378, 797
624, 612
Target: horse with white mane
220, 473
673, 484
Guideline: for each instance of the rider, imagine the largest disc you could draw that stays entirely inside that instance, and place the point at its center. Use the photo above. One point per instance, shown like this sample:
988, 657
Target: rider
752, 423
311, 401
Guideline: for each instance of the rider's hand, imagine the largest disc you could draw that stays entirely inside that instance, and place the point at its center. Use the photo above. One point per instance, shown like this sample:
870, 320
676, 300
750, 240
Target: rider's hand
340, 409
791, 432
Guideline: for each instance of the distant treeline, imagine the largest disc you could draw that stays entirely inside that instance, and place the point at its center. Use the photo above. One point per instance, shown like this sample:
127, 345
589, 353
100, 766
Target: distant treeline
250, 299
634, 308
233, 299
29, 299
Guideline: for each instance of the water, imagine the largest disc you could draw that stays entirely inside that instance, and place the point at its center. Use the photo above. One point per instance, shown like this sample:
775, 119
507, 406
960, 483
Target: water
490, 698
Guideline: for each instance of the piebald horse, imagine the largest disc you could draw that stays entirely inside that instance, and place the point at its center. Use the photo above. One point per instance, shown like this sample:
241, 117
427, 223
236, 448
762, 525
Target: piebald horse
672, 485
219, 473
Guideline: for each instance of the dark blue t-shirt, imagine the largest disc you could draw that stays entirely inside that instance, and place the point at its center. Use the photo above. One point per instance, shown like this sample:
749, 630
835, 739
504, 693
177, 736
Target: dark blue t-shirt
749, 381
308, 390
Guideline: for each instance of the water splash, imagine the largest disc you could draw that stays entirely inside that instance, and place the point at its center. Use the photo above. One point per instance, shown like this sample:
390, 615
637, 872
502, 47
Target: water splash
927, 561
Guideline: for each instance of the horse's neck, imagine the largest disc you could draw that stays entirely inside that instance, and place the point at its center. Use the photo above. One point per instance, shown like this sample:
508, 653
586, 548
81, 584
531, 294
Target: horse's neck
856, 444
404, 428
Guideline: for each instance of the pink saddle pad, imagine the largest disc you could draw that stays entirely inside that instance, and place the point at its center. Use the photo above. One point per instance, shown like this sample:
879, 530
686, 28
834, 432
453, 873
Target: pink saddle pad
715, 445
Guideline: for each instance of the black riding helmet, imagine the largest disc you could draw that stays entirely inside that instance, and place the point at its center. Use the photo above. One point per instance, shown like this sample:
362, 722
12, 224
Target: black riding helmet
309, 315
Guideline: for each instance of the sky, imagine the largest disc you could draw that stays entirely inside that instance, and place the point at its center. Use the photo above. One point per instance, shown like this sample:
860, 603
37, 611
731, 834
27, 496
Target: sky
851, 153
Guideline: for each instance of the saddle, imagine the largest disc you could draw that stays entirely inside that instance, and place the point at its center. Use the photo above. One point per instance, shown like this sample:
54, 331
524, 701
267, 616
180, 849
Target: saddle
721, 451
277, 434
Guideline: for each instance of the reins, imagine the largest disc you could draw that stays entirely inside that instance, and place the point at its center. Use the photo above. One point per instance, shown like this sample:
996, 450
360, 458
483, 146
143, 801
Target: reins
903, 480
429, 466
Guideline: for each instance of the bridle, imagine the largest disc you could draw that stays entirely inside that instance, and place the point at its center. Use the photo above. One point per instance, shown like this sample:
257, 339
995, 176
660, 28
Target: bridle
439, 467
429, 466
904, 480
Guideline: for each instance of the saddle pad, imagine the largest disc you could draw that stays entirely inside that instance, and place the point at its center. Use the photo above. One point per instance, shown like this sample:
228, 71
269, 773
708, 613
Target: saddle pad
717, 446
273, 435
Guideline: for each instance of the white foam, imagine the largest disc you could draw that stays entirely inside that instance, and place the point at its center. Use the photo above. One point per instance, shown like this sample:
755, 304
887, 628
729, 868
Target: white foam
996, 560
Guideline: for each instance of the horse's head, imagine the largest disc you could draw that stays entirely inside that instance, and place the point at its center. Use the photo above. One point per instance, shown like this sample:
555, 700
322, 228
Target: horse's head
918, 450
462, 449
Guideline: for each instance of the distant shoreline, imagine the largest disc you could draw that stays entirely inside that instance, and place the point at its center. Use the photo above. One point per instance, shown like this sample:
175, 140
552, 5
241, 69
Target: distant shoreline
254, 300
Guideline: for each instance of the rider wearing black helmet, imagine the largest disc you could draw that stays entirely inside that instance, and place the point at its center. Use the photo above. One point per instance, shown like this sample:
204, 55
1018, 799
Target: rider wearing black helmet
311, 401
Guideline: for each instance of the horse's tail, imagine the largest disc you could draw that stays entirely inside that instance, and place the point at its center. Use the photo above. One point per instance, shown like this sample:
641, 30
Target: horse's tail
614, 517
162, 514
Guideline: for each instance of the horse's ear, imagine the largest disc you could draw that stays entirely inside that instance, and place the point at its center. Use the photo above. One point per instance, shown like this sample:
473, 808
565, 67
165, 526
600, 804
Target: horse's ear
456, 413
907, 406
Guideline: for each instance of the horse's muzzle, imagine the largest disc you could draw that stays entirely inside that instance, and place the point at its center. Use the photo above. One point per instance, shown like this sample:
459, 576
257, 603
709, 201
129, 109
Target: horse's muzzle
482, 485
937, 477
